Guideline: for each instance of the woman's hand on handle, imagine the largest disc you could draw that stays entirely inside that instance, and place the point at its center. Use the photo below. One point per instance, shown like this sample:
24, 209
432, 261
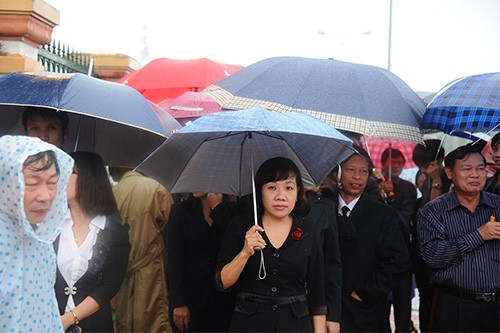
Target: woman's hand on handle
253, 239
230, 273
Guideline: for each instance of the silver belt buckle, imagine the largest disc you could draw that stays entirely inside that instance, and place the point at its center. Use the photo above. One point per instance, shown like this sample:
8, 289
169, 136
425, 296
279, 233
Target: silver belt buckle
486, 297
68, 290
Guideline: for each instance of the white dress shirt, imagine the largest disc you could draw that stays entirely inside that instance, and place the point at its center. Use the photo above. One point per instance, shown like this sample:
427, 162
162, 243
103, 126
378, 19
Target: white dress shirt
73, 260
350, 205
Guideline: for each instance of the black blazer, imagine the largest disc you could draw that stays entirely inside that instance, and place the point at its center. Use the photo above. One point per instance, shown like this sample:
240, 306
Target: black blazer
103, 278
375, 259
322, 215
192, 248
405, 203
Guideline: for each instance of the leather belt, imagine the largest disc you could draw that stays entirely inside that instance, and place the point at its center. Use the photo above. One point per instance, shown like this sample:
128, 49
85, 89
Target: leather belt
271, 300
479, 297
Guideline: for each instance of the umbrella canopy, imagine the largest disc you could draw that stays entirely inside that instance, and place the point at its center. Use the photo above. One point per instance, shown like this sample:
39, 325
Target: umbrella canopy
110, 119
165, 78
169, 123
375, 146
190, 105
217, 152
426, 96
470, 103
358, 98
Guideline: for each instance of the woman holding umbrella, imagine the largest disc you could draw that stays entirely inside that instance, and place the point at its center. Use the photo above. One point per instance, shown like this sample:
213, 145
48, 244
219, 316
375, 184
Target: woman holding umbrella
270, 264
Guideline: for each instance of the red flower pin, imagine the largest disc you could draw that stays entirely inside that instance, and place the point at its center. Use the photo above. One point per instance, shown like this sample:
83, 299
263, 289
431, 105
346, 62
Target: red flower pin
297, 233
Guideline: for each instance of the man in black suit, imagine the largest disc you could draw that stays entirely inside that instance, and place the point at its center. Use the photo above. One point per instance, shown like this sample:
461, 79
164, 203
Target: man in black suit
429, 159
374, 254
323, 214
402, 196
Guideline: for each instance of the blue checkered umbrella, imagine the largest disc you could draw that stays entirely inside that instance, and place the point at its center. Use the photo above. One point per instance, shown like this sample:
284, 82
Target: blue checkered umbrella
353, 97
217, 152
468, 104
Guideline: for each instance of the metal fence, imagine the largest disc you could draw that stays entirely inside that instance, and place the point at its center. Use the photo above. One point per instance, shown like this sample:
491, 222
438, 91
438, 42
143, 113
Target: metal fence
59, 58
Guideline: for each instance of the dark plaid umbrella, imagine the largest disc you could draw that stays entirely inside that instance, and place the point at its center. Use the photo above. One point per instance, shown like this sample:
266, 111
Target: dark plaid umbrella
353, 97
217, 152
468, 104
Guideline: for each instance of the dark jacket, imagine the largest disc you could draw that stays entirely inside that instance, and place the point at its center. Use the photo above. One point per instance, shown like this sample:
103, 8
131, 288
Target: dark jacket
323, 215
294, 272
491, 184
103, 278
192, 248
405, 203
374, 259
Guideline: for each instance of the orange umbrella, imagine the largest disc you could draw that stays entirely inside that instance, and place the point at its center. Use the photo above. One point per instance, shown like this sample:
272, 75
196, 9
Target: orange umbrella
165, 78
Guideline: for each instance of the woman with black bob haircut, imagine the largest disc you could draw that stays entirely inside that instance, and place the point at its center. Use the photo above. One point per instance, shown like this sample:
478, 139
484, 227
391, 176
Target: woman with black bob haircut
281, 289
92, 250
277, 169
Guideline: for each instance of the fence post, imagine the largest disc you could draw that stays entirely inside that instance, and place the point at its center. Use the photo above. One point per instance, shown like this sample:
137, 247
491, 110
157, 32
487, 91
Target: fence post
60, 58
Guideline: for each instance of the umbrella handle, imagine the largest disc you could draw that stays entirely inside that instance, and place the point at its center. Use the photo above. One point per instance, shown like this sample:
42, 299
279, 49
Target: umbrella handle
262, 266
254, 195
390, 161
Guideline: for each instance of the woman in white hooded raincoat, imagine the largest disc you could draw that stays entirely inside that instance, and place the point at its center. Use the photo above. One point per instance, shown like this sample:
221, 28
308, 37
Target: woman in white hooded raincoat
28, 226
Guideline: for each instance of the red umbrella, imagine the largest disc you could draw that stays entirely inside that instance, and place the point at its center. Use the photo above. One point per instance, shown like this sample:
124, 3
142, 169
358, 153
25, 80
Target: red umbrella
375, 146
165, 78
190, 105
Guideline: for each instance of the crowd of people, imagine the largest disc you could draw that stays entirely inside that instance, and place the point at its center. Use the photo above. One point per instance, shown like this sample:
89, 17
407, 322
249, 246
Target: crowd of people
77, 248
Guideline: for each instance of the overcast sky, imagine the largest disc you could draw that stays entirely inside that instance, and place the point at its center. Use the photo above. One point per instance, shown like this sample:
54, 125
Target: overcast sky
433, 41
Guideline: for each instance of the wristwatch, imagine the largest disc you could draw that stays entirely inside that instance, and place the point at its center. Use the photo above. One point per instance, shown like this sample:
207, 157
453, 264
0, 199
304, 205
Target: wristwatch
438, 186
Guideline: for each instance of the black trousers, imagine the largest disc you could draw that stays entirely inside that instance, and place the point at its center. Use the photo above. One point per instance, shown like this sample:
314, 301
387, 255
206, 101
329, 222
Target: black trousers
206, 319
455, 314
361, 316
401, 300
425, 292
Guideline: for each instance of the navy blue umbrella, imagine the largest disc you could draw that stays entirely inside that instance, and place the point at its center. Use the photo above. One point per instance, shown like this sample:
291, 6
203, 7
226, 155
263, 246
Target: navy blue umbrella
468, 104
108, 118
359, 98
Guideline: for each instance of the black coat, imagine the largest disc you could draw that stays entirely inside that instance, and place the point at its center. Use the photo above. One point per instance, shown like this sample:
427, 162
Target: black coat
296, 268
374, 259
405, 203
103, 278
192, 248
323, 215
